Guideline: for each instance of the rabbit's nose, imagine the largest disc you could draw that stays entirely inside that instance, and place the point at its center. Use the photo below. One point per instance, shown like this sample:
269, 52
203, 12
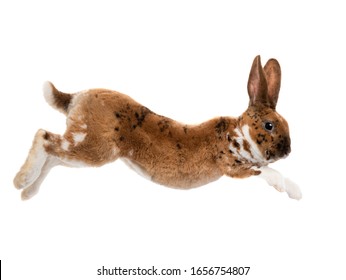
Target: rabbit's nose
284, 146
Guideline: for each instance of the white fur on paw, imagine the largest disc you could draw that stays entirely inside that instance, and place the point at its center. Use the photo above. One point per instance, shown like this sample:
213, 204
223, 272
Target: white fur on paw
273, 178
293, 189
29, 192
25, 178
31, 169
279, 187
19, 181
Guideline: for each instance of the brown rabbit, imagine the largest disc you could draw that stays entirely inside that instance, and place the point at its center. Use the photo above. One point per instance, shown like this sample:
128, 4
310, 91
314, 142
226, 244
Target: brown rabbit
104, 125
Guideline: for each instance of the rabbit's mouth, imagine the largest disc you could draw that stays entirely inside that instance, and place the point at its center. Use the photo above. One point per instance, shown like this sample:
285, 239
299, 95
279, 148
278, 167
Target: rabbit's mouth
270, 155
279, 151
284, 147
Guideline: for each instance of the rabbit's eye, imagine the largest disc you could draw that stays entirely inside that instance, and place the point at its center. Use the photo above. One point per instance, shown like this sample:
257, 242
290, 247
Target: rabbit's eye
268, 126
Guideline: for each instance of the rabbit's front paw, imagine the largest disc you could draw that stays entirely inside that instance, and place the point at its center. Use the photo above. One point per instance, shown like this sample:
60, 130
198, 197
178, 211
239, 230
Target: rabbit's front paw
292, 189
273, 178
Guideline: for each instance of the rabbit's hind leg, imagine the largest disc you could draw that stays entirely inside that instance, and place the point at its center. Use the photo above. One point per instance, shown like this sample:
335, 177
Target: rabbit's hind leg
37, 165
32, 167
47, 151
74, 149
33, 189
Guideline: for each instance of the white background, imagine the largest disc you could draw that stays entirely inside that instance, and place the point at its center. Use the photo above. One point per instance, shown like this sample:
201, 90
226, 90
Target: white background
188, 60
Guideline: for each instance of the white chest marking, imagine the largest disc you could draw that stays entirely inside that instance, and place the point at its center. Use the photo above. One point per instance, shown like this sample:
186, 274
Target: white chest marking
255, 152
254, 155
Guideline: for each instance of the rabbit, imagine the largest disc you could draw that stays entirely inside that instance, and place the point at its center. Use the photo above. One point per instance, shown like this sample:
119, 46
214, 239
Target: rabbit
104, 125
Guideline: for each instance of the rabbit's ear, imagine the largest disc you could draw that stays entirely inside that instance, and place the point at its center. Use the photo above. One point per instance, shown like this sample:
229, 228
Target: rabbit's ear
257, 85
272, 72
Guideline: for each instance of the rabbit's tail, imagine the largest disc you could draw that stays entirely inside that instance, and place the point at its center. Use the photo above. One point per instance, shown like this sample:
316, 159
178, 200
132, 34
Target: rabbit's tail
57, 99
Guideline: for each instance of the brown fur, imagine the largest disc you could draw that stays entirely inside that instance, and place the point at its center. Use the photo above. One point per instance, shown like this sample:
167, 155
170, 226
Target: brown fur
117, 123
104, 125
